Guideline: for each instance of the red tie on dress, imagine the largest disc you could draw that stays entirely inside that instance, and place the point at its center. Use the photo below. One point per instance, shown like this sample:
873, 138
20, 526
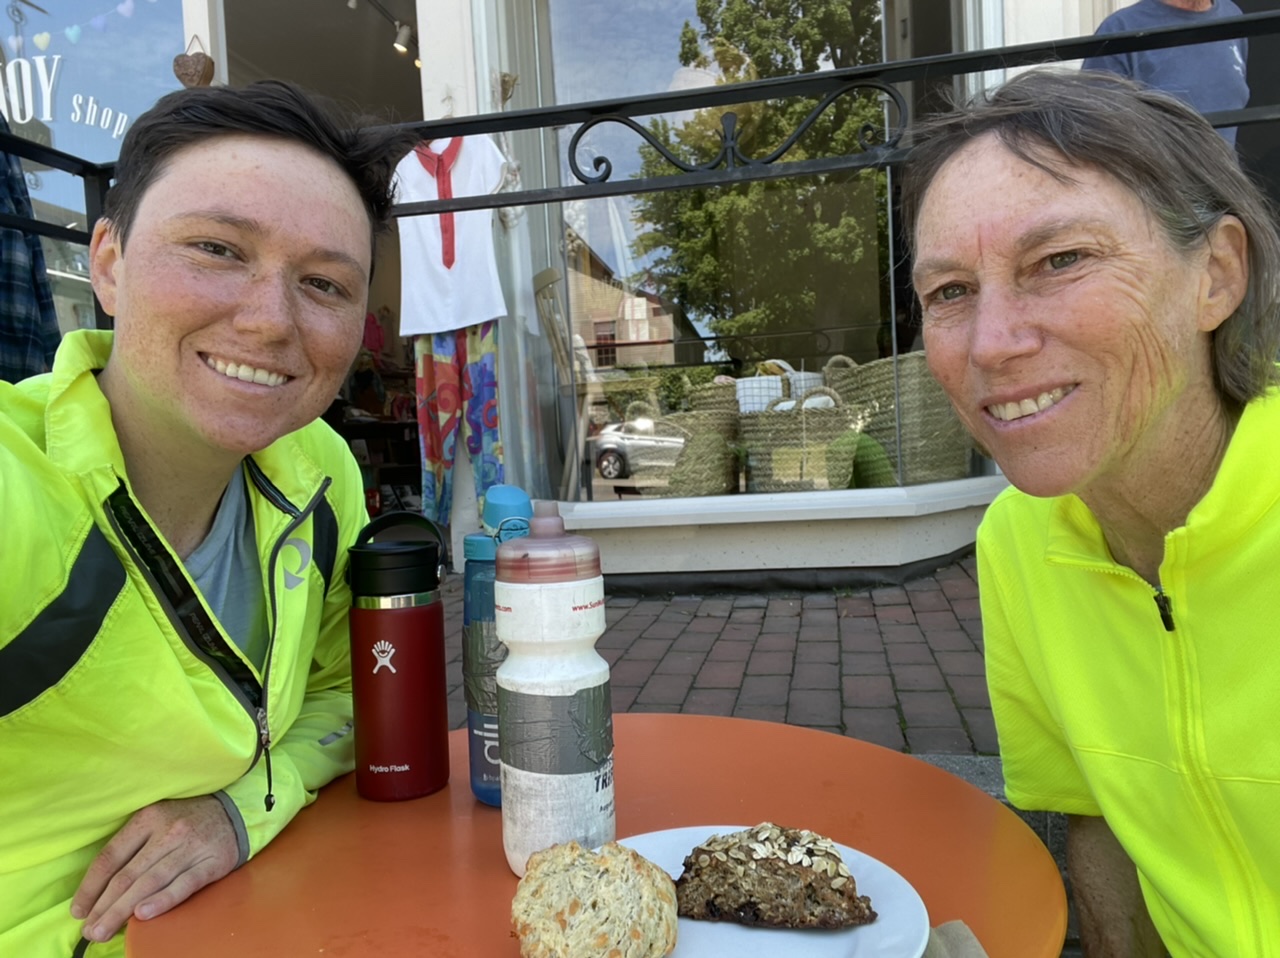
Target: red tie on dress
439, 165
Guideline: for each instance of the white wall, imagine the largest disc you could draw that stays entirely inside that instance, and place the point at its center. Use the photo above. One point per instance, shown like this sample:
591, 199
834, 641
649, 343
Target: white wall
447, 47
203, 20
1029, 21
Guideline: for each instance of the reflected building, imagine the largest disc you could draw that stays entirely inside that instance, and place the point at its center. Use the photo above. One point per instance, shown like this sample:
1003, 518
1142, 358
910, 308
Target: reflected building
622, 325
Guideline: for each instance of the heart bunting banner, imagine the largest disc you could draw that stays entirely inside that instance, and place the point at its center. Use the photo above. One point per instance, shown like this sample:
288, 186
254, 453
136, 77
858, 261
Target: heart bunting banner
72, 34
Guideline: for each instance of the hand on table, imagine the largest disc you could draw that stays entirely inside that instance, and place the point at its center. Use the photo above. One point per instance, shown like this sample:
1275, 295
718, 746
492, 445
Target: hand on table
164, 854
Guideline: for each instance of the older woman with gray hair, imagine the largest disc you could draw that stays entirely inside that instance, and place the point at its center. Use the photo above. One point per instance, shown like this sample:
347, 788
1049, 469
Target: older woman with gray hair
1100, 285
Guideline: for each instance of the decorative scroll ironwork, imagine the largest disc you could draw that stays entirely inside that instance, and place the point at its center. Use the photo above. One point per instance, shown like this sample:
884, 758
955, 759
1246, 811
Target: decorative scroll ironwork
730, 156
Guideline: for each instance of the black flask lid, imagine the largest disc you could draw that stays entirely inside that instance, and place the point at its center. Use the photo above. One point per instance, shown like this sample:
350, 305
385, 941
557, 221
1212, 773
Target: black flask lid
395, 567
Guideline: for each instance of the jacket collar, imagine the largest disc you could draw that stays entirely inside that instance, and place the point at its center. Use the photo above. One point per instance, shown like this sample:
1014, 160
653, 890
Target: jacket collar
79, 436
290, 470
1244, 489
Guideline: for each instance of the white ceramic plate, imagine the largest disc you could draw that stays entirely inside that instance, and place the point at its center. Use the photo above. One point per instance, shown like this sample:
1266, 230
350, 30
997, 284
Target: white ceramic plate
901, 929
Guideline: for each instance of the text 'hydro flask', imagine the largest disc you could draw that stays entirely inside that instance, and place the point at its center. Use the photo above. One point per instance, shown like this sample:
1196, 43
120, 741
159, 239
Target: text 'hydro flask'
555, 720
398, 662
507, 511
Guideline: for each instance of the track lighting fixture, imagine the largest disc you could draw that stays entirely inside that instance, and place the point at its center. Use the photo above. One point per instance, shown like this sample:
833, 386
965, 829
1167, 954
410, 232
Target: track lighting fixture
404, 33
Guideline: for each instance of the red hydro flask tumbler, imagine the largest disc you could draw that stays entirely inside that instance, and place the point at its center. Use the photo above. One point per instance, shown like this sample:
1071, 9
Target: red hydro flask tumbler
398, 662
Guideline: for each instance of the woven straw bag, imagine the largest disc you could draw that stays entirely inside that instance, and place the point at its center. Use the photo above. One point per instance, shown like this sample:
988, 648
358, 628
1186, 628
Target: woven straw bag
714, 397
706, 464
935, 447
841, 373
719, 421
787, 449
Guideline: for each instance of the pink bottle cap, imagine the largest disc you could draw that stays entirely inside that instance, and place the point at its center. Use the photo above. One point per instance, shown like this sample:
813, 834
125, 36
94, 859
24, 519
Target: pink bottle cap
547, 553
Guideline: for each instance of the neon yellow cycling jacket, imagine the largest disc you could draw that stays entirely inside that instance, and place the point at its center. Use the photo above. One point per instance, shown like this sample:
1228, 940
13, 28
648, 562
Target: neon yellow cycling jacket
118, 688
1155, 708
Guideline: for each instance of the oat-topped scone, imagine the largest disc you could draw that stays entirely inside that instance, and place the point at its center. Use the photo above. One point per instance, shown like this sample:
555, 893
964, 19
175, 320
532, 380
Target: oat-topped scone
771, 876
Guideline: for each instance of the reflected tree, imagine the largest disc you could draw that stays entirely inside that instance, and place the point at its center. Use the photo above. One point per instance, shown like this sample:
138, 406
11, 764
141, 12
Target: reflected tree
764, 264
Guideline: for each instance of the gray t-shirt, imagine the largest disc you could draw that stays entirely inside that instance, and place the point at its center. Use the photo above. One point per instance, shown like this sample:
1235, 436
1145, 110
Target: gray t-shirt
227, 572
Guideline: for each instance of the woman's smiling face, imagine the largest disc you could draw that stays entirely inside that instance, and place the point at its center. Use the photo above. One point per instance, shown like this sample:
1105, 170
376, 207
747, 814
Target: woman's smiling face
239, 293
1057, 316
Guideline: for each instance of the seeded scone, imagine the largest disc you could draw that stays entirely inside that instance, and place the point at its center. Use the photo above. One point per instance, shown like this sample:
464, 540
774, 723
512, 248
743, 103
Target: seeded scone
575, 903
773, 877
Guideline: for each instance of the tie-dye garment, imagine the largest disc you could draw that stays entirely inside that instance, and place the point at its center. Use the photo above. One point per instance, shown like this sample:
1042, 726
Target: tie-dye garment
457, 383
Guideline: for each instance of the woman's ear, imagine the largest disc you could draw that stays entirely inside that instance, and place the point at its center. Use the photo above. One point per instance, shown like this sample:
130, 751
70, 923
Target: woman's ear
1228, 272
105, 254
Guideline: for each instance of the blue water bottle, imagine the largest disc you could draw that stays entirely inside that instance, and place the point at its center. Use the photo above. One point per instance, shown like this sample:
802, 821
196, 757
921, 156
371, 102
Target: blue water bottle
507, 511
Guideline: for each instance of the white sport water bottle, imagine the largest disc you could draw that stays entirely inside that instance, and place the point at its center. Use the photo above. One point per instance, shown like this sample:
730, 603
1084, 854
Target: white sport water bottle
555, 719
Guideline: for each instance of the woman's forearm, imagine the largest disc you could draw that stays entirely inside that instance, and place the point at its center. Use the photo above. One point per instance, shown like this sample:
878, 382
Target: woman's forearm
1113, 918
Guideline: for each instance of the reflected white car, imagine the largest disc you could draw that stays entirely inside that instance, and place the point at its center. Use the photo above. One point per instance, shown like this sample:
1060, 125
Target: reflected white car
620, 447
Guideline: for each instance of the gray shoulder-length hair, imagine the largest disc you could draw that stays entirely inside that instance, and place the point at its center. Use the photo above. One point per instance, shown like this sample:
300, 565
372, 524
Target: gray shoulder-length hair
1182, 171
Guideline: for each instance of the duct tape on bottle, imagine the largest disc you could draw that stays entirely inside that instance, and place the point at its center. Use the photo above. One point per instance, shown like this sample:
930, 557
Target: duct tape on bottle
556, 734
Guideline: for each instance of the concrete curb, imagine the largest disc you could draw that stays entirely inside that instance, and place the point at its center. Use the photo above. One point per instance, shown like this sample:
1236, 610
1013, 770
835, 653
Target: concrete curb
981, 771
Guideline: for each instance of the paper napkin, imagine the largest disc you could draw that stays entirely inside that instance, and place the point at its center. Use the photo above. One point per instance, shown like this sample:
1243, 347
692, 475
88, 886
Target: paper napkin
953, 940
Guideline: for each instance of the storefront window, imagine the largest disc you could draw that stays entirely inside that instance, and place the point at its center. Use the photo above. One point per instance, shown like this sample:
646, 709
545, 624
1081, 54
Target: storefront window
732, 339
763, 364
75, 74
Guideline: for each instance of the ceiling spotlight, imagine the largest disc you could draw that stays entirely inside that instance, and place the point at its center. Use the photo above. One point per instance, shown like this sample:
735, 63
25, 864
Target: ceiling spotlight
403, 34
417, 62
351, 4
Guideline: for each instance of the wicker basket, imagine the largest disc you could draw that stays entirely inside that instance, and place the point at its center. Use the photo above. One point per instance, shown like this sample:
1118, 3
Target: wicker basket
718, 421
706, 463
787, 450
935, 447
840, 373
714, 397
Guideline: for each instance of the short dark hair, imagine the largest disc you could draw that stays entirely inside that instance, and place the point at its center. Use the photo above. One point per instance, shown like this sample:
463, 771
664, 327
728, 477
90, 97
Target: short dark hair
365, 149
1183, 172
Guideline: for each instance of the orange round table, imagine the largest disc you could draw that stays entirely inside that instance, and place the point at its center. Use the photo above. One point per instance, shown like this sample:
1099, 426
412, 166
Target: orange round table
351, 878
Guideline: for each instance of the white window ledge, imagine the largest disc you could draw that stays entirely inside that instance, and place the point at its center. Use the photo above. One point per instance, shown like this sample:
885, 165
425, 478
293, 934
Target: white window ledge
843, 504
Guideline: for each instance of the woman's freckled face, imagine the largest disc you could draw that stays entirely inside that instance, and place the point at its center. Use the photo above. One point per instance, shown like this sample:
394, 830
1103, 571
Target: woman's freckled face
1057, 317
239, 293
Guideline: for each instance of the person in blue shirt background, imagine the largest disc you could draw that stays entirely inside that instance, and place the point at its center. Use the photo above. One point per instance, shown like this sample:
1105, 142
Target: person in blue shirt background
1209, 76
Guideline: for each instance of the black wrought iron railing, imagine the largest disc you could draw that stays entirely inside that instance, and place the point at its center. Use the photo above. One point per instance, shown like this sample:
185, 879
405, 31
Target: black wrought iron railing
730, 166
96, 177
879, 148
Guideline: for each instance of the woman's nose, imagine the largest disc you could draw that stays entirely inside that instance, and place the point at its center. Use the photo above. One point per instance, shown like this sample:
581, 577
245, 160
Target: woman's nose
269, 306
1005, 327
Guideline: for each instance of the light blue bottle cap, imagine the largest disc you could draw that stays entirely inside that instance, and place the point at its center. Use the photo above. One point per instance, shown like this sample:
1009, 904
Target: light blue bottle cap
510, 503
477, 545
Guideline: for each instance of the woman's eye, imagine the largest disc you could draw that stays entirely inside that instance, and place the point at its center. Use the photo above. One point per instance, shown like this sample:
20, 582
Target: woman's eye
325, 286
216, 249
1063, 260
951, 291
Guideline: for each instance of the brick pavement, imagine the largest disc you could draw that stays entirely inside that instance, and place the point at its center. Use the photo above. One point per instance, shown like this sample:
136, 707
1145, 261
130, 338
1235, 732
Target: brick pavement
898, 666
